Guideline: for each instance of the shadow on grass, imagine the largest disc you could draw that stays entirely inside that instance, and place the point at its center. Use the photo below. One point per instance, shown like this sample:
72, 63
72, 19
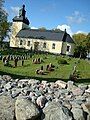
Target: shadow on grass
14, 76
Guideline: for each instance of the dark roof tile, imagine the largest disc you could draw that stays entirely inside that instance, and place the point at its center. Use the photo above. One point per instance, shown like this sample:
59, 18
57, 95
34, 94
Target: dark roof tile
45, 34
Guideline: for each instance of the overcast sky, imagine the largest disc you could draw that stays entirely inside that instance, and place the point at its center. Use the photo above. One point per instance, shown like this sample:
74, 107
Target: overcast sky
74, 15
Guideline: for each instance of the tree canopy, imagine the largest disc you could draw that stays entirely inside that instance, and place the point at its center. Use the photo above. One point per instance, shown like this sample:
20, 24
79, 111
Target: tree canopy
82, 42
4, 24
88, 43
42, 28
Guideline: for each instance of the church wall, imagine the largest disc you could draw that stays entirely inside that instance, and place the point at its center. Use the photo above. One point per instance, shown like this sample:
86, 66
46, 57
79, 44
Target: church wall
16, 27
60, 47
48, 48
57, 50
71, 48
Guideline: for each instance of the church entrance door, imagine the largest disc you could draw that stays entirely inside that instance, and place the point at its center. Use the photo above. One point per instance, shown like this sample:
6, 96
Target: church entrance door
36, 44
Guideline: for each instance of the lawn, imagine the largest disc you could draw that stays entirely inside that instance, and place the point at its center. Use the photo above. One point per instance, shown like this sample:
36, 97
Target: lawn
61, 71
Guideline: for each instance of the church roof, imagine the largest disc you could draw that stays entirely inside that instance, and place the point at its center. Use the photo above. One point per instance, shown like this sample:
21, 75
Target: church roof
21, 19
45, 34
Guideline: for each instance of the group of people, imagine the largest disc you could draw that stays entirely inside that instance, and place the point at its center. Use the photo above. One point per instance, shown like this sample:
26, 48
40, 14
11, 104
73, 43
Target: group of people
49, 67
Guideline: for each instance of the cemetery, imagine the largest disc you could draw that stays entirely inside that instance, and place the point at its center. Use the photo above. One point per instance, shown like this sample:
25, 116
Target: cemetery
45, 66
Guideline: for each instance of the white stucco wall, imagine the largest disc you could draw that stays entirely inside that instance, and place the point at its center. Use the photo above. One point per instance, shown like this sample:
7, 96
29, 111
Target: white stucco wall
64, 48
16, 27
57, 50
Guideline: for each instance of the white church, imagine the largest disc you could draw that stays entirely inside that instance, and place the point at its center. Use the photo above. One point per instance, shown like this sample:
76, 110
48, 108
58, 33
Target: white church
57, 42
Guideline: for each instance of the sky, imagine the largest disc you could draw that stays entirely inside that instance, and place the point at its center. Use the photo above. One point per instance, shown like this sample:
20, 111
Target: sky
74, 15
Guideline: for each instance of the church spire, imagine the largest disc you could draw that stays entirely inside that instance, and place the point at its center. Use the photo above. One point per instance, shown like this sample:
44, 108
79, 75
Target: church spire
22, 12
22, 17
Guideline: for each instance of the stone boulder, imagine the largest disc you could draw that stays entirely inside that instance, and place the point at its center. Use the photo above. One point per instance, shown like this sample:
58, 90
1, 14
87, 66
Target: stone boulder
56, 111
77, 91
33, 82
88, 117
8, 86
83, 86
6, 108
78, 113
88, 99
6, 77
25, 109
41, 100
88, 90
86, 107
70, 85
61, 84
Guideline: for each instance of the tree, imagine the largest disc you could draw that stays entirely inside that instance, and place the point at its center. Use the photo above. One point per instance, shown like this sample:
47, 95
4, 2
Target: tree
4, 24
80, 41
80, 51
42, 28
88, 43
56, 30
79, 38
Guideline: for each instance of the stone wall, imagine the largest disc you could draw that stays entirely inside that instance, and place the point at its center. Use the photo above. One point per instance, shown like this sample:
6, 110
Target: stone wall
30, 99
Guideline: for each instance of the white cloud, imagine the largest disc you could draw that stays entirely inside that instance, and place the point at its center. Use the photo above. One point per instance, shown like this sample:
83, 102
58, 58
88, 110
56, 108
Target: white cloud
81, 32
76, 17
34, 28
15, 10
63, 27
69, 30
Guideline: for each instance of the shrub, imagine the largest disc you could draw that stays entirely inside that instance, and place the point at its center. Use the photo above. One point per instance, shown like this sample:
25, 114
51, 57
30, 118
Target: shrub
62, 61
69, 59
74, 76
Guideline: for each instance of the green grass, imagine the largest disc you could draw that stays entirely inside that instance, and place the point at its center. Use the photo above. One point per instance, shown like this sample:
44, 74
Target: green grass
60, 72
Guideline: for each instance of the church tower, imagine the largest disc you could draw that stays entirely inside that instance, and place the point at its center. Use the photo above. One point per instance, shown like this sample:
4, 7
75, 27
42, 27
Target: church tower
19, 22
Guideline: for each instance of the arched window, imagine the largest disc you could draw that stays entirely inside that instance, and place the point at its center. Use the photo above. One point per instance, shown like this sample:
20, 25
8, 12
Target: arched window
28, 44
68, 48
24, 42
53, 46
21, 42
44, 45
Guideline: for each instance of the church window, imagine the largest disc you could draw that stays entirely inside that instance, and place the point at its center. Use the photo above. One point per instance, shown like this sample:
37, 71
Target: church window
21, 42
24, 42
68, 48
28, 44
53, 46
44, 45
